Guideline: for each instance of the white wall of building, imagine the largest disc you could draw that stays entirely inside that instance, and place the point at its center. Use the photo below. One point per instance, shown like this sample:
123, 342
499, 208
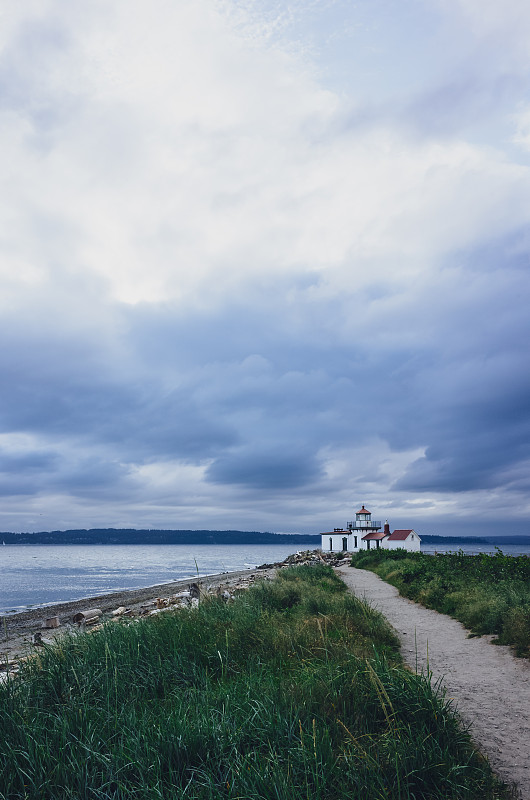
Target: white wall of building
354, 542
411, 543
337, 539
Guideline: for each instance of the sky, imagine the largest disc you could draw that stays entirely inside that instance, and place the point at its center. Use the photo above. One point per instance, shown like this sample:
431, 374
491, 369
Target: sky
263, 262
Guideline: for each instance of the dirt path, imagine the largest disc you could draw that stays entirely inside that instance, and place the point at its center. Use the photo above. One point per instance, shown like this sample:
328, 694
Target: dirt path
490, 687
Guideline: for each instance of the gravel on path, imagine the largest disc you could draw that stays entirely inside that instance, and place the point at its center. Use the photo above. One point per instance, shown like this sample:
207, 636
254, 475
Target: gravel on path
489, 685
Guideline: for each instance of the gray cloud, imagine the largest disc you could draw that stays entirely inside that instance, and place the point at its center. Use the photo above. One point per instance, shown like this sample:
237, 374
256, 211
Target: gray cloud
260, 300
278, 470
263, 400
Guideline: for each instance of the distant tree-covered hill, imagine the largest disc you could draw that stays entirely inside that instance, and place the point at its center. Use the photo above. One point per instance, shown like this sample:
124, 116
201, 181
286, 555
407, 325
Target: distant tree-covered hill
133, 536
155, 536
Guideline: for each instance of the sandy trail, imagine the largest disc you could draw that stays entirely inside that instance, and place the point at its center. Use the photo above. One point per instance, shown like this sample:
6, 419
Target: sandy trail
490, 687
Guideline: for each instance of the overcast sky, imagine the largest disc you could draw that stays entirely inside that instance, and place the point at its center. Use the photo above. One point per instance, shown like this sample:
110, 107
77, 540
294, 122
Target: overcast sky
262, 262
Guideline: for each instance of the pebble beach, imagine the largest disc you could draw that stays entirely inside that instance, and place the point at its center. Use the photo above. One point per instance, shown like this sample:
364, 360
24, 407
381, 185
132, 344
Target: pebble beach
18, 631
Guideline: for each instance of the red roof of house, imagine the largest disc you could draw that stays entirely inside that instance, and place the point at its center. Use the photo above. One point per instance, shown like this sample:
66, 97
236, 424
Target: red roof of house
363, 511
378, 535
400, 535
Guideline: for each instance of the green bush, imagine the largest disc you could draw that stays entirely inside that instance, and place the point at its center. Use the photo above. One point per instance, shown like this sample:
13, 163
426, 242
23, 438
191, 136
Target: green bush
487, 593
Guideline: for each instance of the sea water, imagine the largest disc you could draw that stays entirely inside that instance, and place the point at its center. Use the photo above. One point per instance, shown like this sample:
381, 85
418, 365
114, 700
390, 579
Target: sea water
37, 575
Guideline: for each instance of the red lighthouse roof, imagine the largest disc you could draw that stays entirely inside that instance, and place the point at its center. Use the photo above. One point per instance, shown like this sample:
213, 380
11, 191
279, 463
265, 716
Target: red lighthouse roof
363, 511
400, 535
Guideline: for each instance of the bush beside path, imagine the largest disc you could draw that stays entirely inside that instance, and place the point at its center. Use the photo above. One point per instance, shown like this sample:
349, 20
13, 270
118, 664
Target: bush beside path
490, 687
488, 593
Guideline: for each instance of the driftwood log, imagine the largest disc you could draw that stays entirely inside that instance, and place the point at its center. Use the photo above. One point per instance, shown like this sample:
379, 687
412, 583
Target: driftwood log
88, 617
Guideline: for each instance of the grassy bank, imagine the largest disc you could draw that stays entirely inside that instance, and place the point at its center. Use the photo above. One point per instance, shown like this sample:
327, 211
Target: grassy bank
488, 593
295, 690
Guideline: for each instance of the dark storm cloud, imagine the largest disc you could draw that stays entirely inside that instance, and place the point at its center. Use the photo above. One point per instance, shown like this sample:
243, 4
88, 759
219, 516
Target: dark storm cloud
26, 462
21, 472
473, 398
257, 399
461, 391
475, 442
266, 470
259, 402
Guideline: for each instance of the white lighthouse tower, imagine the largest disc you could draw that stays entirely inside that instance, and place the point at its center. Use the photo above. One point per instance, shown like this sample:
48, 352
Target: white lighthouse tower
349, 539
364, 522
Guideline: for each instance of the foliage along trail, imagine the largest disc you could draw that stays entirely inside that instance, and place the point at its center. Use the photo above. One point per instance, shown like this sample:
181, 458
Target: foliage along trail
490, 686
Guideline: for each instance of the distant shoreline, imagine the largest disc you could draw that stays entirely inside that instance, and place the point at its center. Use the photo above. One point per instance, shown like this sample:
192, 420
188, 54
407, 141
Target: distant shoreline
131, 536
158, 536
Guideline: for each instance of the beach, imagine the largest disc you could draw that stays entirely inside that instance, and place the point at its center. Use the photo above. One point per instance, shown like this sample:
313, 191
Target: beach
17, 630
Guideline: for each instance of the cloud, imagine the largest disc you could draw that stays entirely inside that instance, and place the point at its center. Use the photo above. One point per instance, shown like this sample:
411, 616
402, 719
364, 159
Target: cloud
266, 470
250, 272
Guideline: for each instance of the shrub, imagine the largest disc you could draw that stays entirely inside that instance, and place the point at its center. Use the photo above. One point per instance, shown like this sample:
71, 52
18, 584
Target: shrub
487, 593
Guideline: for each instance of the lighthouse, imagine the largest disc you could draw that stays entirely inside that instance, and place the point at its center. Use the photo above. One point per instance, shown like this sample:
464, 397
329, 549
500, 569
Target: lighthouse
364, 533
351, 538
364, 522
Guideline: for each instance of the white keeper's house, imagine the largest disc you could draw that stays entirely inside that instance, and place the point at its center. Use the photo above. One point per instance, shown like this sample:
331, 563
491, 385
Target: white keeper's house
364, 533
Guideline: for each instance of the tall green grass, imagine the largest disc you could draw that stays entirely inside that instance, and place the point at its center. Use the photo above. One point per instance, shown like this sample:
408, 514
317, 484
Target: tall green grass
487, 593
294, 691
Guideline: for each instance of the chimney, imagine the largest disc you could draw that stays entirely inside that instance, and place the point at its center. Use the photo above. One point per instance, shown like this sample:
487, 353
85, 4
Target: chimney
386, 529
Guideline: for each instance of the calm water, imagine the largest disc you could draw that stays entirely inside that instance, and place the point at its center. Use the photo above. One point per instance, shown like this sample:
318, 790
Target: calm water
37, 575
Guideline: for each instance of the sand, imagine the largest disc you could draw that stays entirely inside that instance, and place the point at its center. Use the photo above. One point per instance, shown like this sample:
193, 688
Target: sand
490, 686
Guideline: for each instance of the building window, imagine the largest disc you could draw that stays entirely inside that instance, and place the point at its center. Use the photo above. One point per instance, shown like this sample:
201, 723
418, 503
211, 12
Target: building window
344, 543
355, 542
330, 543
368, 544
